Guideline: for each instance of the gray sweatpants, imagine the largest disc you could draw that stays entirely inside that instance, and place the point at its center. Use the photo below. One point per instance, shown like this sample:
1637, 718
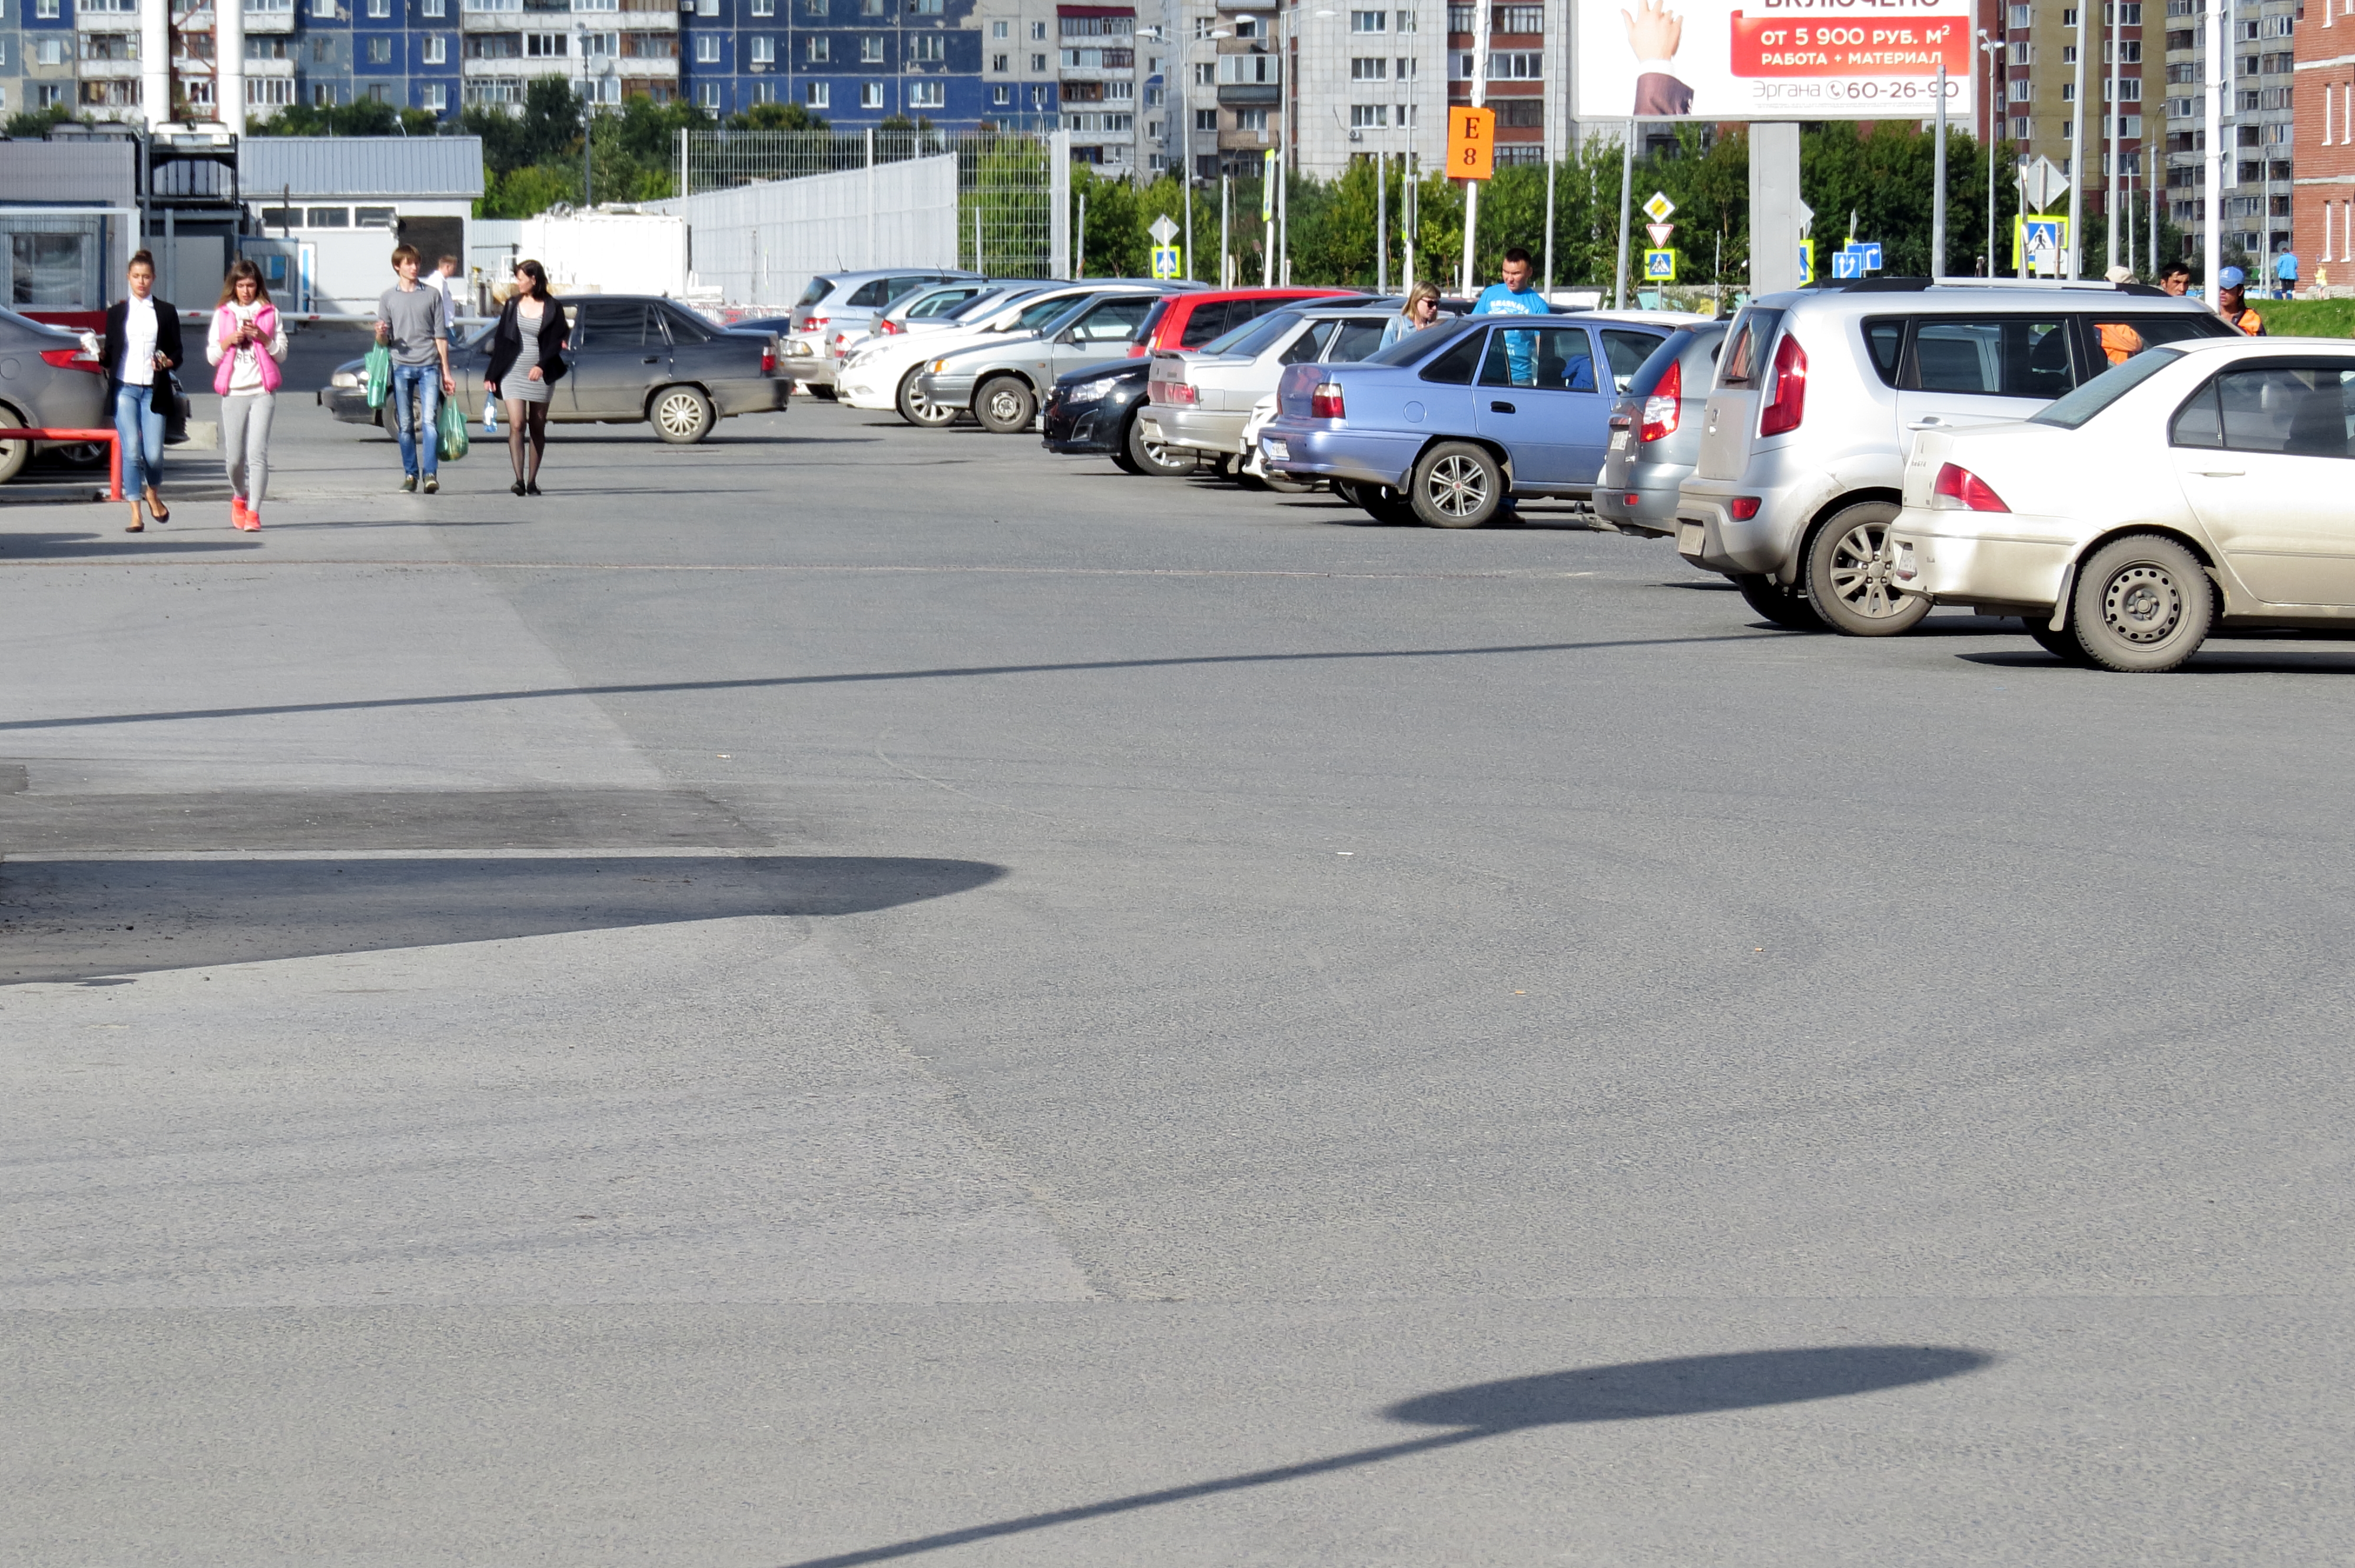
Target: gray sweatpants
245, 443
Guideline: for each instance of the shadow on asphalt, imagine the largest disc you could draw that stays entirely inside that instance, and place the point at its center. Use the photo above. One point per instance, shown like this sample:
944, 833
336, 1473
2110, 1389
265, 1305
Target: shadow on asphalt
1633, 1391
78, 546
944, 674
79, 921
2210, 661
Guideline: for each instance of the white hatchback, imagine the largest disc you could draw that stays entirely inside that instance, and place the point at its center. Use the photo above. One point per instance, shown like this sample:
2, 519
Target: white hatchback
2199, 486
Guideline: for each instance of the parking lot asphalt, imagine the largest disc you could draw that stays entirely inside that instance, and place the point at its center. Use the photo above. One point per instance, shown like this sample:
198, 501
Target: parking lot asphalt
853, 995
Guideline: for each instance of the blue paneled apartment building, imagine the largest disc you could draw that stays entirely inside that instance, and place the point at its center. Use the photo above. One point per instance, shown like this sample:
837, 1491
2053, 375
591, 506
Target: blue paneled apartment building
957, 63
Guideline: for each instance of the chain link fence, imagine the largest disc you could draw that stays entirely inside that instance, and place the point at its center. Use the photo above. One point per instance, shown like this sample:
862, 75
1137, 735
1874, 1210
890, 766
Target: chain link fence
1013, 188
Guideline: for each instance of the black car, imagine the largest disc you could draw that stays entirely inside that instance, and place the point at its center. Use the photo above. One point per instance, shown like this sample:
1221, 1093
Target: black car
634, 359
1094, 410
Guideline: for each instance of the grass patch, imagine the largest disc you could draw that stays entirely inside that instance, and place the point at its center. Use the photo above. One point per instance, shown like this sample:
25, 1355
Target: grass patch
2306, 318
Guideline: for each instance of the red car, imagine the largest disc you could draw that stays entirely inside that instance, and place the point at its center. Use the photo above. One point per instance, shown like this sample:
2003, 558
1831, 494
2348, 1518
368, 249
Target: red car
1189, 321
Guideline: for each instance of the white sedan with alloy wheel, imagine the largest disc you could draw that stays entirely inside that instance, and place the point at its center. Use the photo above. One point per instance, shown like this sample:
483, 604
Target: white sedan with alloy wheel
2200, 487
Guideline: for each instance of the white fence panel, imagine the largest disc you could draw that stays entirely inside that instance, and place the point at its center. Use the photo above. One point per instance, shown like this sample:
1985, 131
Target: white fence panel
761, 244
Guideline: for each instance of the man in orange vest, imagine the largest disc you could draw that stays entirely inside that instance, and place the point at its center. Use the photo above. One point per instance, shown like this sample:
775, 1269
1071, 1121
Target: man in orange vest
2120, 342
2232, 306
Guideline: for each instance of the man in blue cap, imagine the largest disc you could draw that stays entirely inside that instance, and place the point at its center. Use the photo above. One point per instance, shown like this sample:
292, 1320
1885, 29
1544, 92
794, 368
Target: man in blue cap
2233, 305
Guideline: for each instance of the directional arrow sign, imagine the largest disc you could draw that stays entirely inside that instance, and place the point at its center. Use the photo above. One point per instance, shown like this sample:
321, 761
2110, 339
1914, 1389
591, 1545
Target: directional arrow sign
1659, 207
1807, 226
1163, 231
1659, 232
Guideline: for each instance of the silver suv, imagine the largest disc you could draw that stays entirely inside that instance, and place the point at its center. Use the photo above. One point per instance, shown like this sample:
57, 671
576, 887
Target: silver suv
1818, 396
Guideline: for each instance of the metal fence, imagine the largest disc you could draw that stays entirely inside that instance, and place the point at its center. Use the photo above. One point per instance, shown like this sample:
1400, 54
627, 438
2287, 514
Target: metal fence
1013, 186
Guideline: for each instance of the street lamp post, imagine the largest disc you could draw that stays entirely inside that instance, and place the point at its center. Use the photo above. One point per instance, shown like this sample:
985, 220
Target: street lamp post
1994, 48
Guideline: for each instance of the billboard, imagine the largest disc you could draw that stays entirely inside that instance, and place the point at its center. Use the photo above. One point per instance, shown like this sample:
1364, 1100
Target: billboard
1772, 59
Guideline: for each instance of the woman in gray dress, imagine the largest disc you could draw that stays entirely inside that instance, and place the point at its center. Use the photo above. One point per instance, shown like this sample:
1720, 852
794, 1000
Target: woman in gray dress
526, 361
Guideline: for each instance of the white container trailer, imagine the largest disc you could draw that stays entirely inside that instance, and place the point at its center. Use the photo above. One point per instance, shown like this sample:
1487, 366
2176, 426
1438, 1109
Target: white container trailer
608, 252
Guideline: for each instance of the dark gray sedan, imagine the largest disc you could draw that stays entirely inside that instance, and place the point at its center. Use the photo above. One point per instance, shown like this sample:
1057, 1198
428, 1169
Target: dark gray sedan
634, 359
47, 382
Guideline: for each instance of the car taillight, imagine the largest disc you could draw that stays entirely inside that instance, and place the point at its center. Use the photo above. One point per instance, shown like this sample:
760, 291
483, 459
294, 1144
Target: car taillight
1789, 404
1665, 407
1743, 507
887, 328
1962, 489
71, 359
815, 323
768, 359
1176, 392
1325, 403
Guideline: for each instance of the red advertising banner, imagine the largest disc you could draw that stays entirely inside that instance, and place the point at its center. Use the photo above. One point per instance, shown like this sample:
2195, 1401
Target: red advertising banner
1789, 47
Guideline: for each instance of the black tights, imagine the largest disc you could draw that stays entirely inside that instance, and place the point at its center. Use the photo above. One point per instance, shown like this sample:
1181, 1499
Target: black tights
519, 412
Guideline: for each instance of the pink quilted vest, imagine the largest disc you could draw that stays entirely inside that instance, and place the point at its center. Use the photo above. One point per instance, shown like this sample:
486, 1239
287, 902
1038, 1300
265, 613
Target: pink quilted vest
265, 321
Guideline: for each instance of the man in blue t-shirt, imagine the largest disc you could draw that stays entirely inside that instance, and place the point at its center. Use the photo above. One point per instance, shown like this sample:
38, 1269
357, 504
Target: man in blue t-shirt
1515, 297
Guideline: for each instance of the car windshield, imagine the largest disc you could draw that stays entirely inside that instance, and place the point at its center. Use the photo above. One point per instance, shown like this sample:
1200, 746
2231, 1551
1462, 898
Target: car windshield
1254, 338
1415, 344
2074, 408
819, 289
981, 304
1037, 318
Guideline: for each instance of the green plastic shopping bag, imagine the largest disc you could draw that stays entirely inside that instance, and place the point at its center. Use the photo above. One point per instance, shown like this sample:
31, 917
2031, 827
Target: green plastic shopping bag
450, 429
377, 372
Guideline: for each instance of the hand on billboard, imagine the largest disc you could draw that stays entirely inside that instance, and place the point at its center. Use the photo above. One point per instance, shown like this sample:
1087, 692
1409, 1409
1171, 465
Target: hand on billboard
1653, 32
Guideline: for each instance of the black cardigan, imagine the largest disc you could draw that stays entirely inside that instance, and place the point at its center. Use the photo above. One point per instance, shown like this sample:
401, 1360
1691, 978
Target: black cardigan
506, 343
167, 335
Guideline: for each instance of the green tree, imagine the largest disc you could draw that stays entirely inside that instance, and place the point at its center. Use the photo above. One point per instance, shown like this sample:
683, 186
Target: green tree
777, 116
32, 124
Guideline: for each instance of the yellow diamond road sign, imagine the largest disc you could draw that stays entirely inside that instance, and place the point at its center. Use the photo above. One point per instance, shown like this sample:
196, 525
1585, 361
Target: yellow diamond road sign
1658, 208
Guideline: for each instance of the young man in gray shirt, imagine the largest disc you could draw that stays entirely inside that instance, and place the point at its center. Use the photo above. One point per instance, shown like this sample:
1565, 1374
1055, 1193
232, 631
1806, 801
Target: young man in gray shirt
409, 319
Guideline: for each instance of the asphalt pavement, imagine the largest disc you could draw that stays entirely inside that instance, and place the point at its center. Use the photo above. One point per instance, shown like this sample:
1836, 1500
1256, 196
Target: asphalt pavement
856, 995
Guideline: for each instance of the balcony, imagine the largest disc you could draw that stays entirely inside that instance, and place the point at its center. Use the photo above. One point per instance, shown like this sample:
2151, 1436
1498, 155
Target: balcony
269, 16
1249, 94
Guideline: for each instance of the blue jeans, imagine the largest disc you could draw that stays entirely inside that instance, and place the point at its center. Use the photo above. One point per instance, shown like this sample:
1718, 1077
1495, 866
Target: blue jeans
423, 382
139, 426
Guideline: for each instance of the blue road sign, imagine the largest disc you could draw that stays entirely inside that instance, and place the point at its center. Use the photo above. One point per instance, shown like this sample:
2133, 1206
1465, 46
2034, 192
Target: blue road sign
1659, 266
1848, 264
1871, 249
1165, 262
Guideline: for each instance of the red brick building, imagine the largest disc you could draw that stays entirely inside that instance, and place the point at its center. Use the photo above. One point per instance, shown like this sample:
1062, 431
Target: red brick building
2324, 106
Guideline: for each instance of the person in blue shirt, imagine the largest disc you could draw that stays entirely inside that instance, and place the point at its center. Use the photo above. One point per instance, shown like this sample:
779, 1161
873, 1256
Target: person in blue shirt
2286, 275
1516, 296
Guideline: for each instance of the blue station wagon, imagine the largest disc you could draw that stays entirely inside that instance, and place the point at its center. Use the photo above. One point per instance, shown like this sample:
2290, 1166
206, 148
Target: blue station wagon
1450, 426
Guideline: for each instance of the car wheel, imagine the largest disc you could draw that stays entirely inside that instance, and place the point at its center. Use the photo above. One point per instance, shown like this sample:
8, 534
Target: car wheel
2062, 645
1152, 457
14, 455
2142, 604
681, 415
1786, 607
919, 410
1004, 406
1849, 565
1457, 485
82, 454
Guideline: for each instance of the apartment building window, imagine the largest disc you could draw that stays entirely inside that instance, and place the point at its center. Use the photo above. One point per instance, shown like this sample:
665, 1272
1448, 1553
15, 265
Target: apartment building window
870, 49
706, 48
2019, 54
2068, 53
1368, 21
379, 51
1370, 117
1520, 18
1250, 119
2019, 16
1206, 73
1152, 99
817, 51
435, 96
1205, 29
818, 94
2117, 53
379, 8
1001, 63
870, 95
265, 91
429, 8
47, 11
2129, 90
764, 51
998, 29
707, 94
1001, 97
322, 49
547, 46
1038, 30
437, 48
928, 48
2069, 19
1463, 19
928, 94
322, 95
1038, 64
1406, 21
2116, 16
815, 8
924, 8
1369, 69
2068, 92
1516, 65
1244, 28
2023, 89
1206, 120
1405, 67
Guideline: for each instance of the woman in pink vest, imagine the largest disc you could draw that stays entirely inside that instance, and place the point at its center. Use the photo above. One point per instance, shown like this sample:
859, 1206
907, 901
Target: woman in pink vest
245, 345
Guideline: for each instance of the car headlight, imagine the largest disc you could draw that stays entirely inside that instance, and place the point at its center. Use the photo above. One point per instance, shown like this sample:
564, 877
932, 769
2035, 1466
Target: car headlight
345, 378
798, 347
1091, 391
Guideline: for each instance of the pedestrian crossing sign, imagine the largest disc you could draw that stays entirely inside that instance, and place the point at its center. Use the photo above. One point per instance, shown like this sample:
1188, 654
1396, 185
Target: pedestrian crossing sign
1659, 266
1806, 262
1165, 262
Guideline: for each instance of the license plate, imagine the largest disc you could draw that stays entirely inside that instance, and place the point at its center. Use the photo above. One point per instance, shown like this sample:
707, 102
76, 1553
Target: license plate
1618, 440
1688, 538
1277, 450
